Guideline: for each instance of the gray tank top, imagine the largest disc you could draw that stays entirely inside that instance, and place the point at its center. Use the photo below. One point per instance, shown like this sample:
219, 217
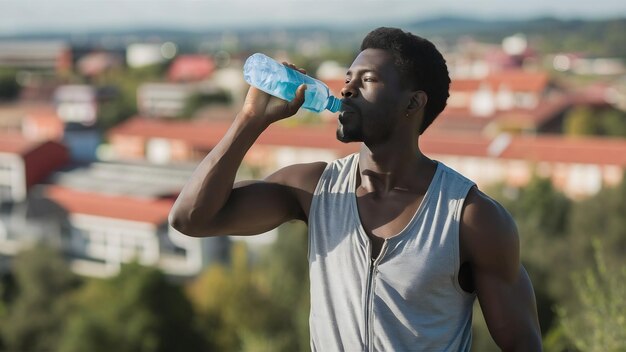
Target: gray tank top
409, 298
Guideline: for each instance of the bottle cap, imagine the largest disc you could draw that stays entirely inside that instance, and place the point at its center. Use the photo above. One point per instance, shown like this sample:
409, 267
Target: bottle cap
334, 104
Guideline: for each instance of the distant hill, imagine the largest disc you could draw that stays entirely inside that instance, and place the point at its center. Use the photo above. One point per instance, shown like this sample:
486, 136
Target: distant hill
598, 37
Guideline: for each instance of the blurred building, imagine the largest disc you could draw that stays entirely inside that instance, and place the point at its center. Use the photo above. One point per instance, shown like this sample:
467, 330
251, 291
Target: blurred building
502, 91
39, 55
97, 63
24, 163
77, 103
514, 102
146, 54
190, 68
109, 230
178, 141
117, 213
163, 99
579, 167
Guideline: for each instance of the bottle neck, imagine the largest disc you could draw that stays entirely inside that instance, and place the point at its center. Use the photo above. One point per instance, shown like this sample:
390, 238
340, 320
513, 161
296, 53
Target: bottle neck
333, 104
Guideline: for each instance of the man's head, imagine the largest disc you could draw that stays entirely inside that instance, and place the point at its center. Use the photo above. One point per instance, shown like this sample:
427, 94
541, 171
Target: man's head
420, 65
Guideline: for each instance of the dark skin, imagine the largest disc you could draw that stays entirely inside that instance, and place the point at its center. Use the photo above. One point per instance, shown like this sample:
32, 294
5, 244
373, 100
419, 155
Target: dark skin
384, 115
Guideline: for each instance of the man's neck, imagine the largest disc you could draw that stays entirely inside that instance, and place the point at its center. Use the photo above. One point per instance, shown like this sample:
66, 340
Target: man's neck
392, 167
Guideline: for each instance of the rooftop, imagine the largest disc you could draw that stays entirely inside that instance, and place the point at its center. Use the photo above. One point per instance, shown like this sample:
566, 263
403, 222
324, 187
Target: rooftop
151, 211
141, 180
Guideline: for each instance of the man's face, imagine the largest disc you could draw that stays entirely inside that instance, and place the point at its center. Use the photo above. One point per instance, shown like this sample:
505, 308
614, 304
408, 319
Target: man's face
373, 99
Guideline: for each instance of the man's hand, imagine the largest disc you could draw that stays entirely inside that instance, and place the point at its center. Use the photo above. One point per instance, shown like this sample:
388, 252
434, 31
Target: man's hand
267, 109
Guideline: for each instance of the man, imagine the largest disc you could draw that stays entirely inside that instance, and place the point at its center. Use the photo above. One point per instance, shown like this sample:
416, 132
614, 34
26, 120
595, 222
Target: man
399, 244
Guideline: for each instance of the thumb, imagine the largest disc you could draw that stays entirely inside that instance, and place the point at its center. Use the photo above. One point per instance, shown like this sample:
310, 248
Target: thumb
297, 102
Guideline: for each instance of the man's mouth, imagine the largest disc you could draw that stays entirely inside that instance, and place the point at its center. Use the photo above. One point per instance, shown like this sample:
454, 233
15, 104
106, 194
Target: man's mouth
346, 109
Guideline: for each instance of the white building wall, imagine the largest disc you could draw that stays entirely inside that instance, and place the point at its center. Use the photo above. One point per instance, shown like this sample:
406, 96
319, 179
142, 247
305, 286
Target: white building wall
107, 243
575, 180
12, 178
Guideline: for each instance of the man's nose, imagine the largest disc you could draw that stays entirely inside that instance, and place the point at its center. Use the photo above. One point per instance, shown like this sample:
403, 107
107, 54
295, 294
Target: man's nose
348, 91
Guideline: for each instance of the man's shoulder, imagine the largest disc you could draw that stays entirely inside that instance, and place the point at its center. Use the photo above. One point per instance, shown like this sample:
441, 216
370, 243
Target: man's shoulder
454, 175
486, 226
300, 176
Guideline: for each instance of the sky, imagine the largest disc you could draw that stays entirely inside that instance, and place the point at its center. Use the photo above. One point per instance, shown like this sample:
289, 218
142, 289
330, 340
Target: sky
26, 15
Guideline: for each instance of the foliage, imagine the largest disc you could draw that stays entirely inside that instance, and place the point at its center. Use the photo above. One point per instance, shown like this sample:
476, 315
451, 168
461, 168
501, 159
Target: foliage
199, 100
127, 81
579, 122
584, 121
260, 302
9, 88
577, 36
555, 234
35, 318
138, 310
541, 213
481, 338
597, 322
600, 216
262, 307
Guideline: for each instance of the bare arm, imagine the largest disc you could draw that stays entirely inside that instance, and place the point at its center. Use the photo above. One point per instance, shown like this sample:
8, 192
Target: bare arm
490, 244
209, 204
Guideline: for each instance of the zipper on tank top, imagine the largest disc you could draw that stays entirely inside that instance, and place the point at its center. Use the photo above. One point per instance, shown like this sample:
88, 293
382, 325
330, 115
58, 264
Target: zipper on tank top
369, 303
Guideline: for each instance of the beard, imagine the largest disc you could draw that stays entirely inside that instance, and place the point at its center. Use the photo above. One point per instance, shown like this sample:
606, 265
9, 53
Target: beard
347, 134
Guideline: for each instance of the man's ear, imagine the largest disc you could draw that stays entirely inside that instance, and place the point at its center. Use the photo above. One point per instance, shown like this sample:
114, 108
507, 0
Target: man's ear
418, 101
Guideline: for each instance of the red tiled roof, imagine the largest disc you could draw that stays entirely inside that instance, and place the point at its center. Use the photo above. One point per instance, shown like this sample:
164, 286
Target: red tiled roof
191, 68
460, 119
461, 144
206, 134
600, 151
464, 85
515, 80
108, 206
596, 151
16, 143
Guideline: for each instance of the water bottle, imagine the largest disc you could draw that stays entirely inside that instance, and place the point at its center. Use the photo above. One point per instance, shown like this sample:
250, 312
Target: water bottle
281, 81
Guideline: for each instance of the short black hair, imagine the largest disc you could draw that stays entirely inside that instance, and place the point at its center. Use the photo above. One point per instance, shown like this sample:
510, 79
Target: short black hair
419, 63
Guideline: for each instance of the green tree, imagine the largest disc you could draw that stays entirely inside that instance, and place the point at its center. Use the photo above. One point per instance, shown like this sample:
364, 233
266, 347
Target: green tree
598, 217
613, 123
580, 121
138, 310
35, 318
542, 214
584, 121
597, 320
199, 100
9, 88
260, 305
601, 216
286, 267
127, 81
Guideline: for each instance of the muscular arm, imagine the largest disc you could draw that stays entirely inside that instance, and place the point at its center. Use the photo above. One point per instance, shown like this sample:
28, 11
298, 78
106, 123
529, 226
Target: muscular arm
209, 204
490, 244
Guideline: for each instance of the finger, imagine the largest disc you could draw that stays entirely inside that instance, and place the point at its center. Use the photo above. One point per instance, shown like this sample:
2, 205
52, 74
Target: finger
299, 69
297, 102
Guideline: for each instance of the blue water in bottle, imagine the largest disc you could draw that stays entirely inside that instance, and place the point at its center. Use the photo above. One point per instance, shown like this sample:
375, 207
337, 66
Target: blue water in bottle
281, 81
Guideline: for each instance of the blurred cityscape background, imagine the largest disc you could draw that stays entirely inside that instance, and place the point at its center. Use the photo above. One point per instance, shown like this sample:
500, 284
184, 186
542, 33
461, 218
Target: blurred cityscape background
107, 107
